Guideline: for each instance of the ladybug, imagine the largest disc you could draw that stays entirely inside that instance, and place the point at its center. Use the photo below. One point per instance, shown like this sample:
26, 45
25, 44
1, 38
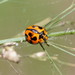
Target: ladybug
36, 34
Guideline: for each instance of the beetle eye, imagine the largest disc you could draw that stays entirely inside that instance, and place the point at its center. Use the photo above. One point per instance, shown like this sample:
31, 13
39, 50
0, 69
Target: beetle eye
40, 27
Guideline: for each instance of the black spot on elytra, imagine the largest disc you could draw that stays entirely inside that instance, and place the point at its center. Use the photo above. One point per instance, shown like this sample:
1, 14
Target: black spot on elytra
43, 33
33, 26
34, 38
26, 35
30, 34
40, 27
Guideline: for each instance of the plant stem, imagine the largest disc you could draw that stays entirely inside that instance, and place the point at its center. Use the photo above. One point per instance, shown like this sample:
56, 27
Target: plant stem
57, 46
19, 39
55, 20
61, 33
55, 34
52, 62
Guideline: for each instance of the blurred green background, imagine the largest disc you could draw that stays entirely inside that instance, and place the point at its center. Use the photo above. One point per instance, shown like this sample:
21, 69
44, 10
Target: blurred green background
15, 16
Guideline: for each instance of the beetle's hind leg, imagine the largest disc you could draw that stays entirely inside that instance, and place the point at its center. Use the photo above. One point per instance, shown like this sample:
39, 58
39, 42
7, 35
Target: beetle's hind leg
46, 43
42, 46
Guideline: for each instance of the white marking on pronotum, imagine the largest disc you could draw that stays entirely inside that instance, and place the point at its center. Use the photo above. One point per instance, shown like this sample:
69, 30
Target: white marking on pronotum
3, 1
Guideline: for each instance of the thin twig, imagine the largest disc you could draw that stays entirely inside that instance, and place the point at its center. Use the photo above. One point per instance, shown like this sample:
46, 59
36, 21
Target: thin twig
14, 68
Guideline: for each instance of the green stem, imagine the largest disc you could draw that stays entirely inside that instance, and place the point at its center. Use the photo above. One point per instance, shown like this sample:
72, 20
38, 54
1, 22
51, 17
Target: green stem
51, 61
55, 20
62, 33
19, 39
57, 46
55, 34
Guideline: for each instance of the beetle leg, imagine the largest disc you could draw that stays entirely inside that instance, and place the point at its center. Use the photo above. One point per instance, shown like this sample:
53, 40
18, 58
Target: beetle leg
46, 43
42, 46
